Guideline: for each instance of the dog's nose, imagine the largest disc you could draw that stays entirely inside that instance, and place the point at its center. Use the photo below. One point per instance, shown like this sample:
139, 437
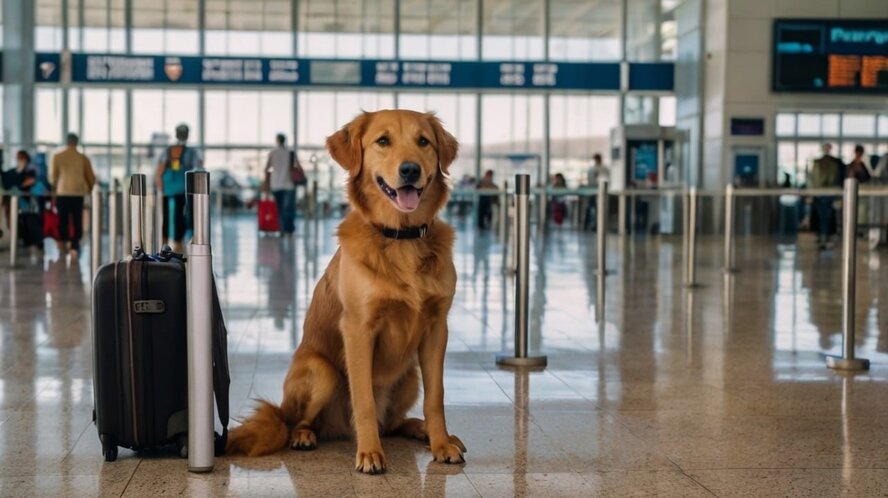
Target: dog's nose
409, 172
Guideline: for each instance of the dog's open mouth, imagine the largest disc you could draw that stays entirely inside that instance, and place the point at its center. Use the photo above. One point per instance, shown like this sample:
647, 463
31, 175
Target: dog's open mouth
405, 198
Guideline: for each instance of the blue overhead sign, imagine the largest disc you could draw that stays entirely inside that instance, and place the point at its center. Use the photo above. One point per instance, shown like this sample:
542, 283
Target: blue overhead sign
228, 71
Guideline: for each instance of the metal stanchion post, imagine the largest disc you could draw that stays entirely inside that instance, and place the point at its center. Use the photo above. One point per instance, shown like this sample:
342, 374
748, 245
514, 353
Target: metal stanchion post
522, 280
849, 279
314, 199
112, 221
199, 280
95, 229
13, 228
729, 229
601, 227
691, 254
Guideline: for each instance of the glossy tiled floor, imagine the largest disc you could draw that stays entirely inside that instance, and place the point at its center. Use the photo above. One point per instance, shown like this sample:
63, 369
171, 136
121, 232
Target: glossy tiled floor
719, 391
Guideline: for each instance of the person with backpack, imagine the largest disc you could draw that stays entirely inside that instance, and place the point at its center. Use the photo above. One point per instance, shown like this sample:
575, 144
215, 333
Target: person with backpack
174, 162
72, 178
282, 174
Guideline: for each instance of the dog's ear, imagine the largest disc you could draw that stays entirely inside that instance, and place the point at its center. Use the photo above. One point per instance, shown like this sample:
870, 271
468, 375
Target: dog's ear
345, 145
447, 144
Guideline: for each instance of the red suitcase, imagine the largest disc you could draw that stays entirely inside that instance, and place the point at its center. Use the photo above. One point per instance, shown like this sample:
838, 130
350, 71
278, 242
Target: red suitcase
269, 218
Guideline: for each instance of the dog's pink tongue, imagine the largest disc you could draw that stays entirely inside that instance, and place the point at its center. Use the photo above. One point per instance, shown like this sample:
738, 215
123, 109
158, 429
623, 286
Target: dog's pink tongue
408, 198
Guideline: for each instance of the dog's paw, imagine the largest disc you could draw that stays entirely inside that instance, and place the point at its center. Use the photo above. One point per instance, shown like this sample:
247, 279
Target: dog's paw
303, 439
413, 428
450, 452
370, 462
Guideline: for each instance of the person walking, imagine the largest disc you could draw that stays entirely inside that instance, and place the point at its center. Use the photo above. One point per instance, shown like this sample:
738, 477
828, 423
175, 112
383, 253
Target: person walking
858, 167
825, 173
174, 162
71, 178
279, 181
598, 171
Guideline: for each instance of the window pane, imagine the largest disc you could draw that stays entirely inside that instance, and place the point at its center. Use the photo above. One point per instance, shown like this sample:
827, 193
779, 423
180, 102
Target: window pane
883, 127
512, 30
275, 116
786, 163
48, 25
830, 125
165, 27
512, 136
584, 31
667, 111
580, 127
785, 125
48, 115
346, 28
642, 30
858, 125
259, 27
444, 29
809, 125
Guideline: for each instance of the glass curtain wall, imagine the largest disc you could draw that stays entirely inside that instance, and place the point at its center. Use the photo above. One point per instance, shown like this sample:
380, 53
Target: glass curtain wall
801, 135
235, 127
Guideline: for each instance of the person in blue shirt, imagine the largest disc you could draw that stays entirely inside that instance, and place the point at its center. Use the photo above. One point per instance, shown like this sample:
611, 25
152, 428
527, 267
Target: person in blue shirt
174, 162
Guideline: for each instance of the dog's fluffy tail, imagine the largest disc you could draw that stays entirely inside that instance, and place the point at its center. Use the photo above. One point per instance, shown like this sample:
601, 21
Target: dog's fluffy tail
263, 432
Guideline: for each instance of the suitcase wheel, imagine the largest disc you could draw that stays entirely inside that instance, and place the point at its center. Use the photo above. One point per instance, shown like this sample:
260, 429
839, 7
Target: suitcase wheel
109, 452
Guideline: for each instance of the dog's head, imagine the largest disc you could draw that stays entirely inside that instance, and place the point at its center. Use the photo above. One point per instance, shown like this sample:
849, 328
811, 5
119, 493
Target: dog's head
397, 163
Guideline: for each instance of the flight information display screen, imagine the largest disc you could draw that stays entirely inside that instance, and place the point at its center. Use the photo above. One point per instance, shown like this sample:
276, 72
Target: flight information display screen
841, 56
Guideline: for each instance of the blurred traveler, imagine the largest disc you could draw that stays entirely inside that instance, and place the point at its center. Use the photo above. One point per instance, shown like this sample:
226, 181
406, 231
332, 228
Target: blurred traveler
72, 178
825, 173
279, 180
557, 205
858, 167
174, 162
486, 202
596, 172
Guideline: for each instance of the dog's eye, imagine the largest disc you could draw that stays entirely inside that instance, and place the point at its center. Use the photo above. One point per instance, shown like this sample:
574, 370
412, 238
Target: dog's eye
423, 141
383, 141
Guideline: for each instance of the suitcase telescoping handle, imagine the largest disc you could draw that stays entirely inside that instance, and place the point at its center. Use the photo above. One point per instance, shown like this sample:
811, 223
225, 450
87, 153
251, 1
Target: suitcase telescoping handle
137, 192
199, 278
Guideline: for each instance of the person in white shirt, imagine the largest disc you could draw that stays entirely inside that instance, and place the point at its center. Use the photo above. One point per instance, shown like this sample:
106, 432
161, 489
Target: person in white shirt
597, 171
278, 180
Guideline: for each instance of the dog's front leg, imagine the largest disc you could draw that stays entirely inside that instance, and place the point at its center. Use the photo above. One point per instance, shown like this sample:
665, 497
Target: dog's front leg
359, 340
445, 448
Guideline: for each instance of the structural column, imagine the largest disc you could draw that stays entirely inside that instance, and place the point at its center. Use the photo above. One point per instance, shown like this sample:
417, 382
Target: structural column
18, 73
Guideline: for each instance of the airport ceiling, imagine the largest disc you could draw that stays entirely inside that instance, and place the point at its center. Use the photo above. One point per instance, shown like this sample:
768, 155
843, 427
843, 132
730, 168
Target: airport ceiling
573, 18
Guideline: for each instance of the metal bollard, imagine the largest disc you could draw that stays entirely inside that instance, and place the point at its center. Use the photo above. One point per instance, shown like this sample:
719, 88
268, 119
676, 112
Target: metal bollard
729, 229
849, 278
621, 213
314, 199
95, 229
522, 280
112, 221
691, 254
199, 279
13, 228
601, 227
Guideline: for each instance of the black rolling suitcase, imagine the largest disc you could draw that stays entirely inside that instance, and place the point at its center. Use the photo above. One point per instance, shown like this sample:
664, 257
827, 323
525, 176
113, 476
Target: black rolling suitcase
140, 353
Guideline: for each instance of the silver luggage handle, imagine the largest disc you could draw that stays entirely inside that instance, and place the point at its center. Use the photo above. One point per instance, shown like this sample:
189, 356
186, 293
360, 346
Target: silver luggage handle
137, 192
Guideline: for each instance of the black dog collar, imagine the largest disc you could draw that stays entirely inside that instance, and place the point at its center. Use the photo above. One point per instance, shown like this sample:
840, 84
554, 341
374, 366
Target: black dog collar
408, 233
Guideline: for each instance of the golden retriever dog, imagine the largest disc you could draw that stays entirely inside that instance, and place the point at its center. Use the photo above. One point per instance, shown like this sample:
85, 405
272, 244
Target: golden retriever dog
378, 316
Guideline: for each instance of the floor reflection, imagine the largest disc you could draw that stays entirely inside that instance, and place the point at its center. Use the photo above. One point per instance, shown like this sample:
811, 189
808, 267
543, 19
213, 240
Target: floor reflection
664, 383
